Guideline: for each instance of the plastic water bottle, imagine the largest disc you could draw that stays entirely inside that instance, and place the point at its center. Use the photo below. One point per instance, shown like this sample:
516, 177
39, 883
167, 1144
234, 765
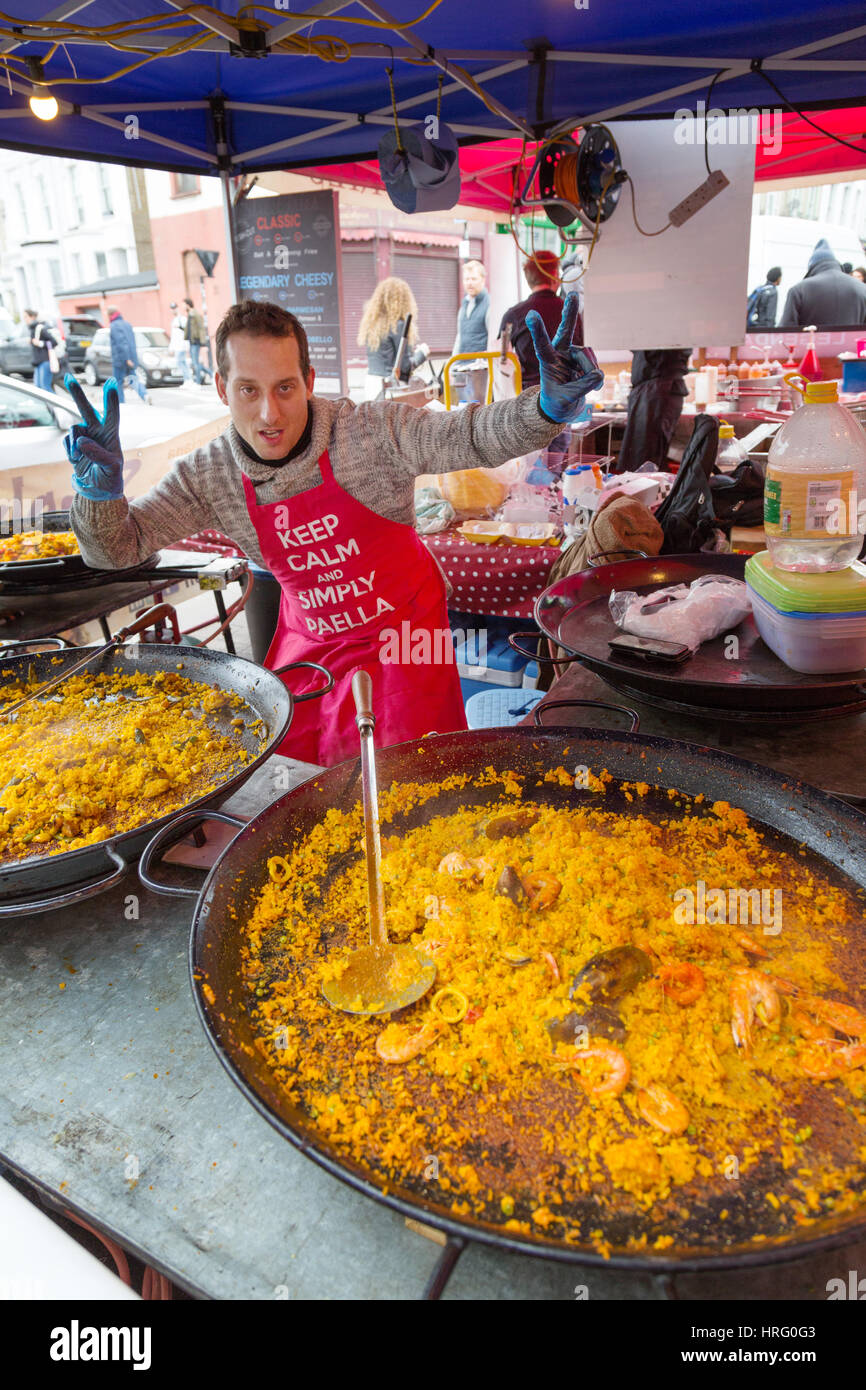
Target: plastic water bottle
816, 474
730, 452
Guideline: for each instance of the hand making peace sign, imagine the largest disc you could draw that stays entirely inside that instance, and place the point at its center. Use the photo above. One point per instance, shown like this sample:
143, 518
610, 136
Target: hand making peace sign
93, 448
568, 373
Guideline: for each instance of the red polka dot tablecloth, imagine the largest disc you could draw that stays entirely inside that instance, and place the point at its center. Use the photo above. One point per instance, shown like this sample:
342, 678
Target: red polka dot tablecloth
503, 580
209, 541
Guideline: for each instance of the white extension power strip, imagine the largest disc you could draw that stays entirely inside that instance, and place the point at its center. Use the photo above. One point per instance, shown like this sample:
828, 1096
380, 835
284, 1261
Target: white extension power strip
698, 199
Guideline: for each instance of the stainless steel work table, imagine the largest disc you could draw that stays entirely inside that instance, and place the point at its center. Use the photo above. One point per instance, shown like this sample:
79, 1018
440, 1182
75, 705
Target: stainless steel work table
105, 1072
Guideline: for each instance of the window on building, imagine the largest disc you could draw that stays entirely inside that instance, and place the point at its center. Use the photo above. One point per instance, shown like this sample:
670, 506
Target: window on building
76, 206
56, 271
105, 191
101, 265
182, 185
118, 261
75, 260
22, 209
46, 202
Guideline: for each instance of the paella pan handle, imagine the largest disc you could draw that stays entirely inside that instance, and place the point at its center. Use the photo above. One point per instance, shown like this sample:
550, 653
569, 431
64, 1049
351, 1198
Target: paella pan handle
76, 895
158, 843
314, 666
534, 656
13, 647
594, 704
593, 560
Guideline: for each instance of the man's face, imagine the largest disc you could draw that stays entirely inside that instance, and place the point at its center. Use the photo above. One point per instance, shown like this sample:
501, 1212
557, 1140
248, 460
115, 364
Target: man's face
265, 392
473, 280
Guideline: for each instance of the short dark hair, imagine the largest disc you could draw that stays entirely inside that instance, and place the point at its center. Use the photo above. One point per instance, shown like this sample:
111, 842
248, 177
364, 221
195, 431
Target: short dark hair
263, 320
774, 274
189, 302
32, 313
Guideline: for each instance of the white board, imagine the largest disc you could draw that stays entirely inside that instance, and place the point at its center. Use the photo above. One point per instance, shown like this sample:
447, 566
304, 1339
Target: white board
686, 287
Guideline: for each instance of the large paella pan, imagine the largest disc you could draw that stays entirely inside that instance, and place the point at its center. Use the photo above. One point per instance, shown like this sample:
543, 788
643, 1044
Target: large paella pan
769, 1159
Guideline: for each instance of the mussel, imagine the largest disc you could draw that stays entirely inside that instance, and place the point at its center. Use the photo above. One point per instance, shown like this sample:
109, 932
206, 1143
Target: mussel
611, 974
598, 1021
510, 885
507, 823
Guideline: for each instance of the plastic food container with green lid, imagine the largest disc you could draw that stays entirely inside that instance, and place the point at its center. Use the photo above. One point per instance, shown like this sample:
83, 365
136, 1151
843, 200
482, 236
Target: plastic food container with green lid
815, 623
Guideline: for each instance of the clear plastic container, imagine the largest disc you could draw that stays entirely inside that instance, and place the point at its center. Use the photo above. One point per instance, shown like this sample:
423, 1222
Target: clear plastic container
812, 642
730, 452
816, 472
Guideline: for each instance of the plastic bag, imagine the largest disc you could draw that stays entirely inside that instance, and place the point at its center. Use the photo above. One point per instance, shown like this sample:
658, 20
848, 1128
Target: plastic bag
432, 512
691, 613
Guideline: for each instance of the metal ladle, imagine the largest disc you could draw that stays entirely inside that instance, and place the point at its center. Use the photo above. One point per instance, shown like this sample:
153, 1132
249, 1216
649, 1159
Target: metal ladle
380, 977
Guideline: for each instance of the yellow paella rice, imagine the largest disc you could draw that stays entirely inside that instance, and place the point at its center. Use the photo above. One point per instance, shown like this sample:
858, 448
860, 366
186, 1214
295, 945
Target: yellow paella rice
595, 1050
37, 545
106, 752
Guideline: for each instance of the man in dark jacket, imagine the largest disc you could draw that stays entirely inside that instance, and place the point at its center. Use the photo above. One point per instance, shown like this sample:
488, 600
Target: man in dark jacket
472, 331
124, 355
764, 303
542, 276
655, 404
41, 339
826, 297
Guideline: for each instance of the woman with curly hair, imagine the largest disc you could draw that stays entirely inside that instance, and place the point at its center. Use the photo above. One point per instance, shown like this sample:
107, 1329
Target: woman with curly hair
380, 331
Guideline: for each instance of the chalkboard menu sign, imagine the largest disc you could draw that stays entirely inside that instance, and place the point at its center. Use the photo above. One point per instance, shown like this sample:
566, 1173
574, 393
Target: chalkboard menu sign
286, 251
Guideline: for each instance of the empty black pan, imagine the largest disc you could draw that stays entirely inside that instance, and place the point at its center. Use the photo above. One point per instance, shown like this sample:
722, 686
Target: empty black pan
754, 685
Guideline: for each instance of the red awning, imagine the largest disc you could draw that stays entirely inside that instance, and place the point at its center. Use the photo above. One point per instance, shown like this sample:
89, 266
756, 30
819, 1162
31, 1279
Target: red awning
791, 148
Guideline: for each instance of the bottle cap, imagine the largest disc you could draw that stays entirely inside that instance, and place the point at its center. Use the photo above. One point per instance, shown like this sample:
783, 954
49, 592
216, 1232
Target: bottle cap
814, 392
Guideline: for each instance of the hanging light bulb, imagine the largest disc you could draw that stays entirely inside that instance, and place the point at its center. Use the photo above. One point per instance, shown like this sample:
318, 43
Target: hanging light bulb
42, 103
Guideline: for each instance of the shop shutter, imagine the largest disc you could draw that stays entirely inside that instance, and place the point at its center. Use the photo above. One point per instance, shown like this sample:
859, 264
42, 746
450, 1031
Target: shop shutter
434, 278
359, 282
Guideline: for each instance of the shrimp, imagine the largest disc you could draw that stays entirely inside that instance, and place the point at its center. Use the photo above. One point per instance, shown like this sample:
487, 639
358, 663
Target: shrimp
458, 866
542, 890
399, 1043
661, 1108
435, 907
753, 995
682, 982
616, 1064
825, 1057
748, 943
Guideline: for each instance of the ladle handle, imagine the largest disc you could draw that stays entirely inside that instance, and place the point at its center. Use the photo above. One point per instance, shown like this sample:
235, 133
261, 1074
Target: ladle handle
362, 693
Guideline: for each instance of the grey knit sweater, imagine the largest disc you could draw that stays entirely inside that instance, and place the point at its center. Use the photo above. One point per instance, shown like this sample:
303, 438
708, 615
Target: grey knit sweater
376, 450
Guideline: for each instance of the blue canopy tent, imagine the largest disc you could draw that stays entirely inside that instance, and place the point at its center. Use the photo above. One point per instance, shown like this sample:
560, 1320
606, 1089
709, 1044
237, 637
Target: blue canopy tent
203, 90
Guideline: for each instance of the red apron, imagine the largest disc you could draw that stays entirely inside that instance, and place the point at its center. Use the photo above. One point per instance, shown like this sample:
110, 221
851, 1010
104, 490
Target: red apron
358, 591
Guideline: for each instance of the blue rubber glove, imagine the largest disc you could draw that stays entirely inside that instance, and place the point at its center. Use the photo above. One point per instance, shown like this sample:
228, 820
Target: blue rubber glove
93, 448
568, 373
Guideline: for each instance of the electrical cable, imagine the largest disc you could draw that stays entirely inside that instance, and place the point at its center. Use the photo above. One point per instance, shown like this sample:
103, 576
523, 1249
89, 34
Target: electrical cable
706, 147
114, 1250
634, 215
797, 112
231, 613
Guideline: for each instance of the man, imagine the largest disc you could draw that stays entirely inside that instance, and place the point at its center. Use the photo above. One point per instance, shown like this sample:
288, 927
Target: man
542, 277
763, 302
321, 492
196, 337
655, 404
41, 339
178, 344
826, 297
472, 331
124, 355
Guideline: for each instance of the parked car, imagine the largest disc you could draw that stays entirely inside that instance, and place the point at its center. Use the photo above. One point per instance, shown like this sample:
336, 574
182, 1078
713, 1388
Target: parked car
33, 423
153, 355
16, 352
79, 332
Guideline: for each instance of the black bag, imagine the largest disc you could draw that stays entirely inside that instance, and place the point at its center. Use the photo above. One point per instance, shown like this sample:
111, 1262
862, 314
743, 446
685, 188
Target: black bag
738, 497
686, 515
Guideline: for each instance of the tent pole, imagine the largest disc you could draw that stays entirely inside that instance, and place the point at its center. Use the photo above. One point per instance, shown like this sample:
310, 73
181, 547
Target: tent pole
226, 184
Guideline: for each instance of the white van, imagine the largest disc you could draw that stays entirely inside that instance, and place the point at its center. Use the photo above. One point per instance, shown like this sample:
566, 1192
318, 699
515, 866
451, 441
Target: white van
789, 242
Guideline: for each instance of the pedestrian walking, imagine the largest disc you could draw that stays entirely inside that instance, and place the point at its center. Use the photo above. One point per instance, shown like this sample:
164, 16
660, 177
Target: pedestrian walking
197, 339
472, 331
43, 356
124, 355
178, 343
